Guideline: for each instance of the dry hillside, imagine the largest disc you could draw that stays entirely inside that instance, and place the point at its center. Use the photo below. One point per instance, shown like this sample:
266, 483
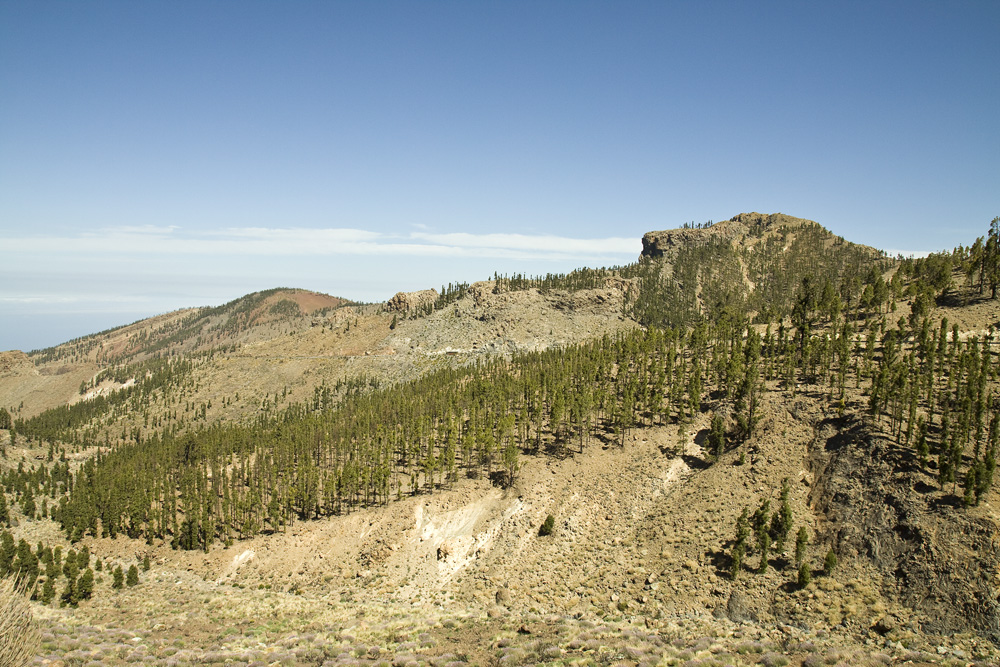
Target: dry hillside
638, 568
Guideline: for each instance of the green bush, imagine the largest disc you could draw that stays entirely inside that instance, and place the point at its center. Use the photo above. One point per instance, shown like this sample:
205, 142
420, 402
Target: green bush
548, 526
830, 562
805, 575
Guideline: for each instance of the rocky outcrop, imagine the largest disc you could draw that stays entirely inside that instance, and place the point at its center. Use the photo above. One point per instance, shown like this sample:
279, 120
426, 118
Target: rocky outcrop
404, 302
736, 229
658, 244
936, 557
15, 361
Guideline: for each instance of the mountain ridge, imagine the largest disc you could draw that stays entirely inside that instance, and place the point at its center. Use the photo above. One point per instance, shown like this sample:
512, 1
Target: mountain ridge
516, 399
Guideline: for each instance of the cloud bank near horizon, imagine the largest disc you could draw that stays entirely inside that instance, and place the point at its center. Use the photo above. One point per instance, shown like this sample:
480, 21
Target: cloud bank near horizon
301, 241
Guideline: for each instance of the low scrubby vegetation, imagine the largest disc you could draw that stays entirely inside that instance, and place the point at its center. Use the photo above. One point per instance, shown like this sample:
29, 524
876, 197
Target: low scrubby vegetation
18, 634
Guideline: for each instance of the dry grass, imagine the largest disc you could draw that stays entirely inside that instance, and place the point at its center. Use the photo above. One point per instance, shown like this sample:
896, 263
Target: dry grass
18, 634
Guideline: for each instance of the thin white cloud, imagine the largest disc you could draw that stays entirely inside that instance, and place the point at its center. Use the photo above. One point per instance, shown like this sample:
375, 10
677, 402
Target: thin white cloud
138, 229
72, 303
536, 244
299, 241
69, 298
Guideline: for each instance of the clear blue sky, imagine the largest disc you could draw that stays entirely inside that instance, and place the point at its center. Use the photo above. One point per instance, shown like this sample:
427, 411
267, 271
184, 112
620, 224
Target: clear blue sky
161, 155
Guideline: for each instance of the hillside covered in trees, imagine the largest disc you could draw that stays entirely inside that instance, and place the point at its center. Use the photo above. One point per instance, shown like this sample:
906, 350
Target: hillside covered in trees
719, 333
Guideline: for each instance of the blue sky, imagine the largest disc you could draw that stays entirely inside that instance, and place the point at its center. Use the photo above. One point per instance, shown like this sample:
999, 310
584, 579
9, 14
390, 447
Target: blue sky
161, 155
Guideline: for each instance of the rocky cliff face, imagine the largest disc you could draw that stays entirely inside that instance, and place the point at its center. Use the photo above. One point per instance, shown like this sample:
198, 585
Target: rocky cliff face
937, 558
740, 228
404, 302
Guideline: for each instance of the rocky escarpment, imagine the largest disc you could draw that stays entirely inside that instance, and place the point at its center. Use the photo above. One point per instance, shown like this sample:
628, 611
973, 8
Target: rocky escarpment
14, 361
936, 557
491, 319
740, 228
753, 263
404, 302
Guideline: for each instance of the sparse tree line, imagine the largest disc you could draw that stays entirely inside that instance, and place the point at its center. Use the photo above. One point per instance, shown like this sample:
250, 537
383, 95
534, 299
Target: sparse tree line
34, 488
765, 534
157, 402
156, 380
49, 574
580, 279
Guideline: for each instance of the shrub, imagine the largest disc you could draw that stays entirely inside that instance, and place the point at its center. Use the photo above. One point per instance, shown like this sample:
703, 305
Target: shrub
771, 659
805, 575
132, 579
548, 526
830, 562
18, 636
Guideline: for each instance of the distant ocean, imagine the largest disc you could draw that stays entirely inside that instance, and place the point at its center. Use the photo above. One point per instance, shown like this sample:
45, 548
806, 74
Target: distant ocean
35, 331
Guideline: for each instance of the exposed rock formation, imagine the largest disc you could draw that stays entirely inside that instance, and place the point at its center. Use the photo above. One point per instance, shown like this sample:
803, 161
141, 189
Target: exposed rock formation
656, 244
406, 301
940, 559
14, 360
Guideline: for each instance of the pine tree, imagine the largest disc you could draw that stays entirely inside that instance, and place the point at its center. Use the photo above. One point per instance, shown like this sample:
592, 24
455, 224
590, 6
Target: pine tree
7, 551
28, 504
69, 595
717, 436
83, 558
71, 567
923, 451
991, 258
85, 585
760, 521
510, 464
132, 579
48, 591
737, 557
26, 565
118, 578
781, 522
970, 484
829, 563
805, 575
801, 542
740, 543
765, 548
